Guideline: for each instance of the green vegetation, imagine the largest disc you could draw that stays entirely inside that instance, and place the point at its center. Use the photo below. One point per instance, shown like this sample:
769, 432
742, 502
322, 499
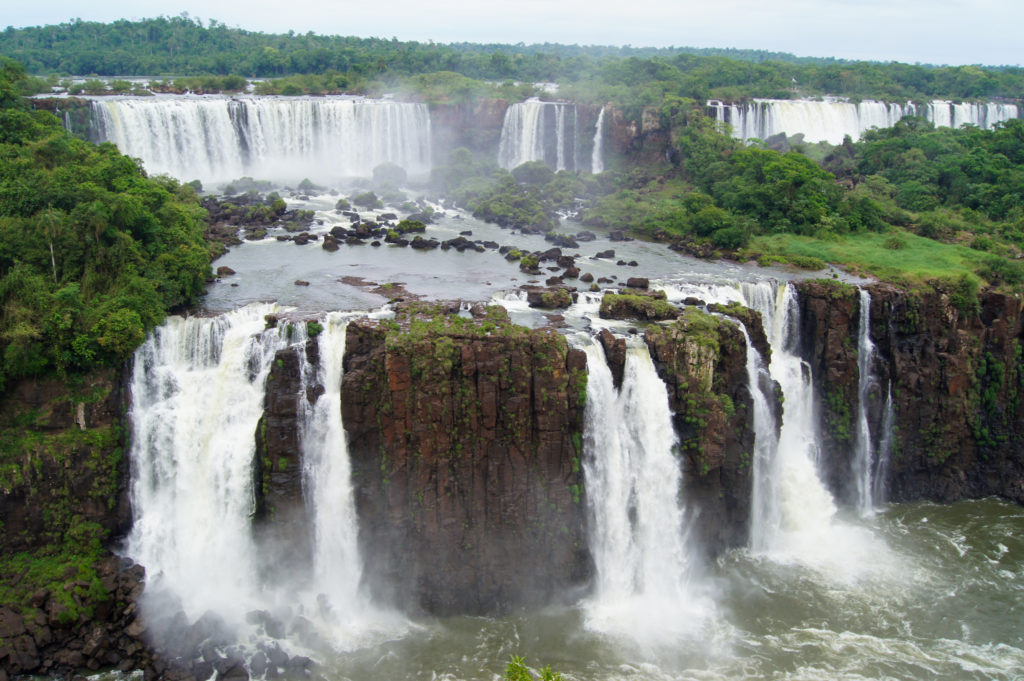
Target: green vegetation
316, 64
516, 670
92, 252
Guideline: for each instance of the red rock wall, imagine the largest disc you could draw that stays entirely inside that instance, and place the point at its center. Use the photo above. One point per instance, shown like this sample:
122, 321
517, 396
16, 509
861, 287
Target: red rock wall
466, 466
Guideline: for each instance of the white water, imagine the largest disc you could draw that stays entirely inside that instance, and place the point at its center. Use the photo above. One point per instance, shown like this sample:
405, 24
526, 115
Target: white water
864, 461
539, 131
597, 156
218, 139
197, 395
645, 569
764, 507
337, 568
830, 120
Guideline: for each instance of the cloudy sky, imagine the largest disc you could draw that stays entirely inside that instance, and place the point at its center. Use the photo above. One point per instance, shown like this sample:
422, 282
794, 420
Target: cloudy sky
926, 31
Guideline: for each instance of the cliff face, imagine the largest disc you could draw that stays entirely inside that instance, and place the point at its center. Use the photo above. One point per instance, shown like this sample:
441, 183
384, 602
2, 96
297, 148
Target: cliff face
474, 125
282, 522
956, 378
65, 602
702, 360
645, 141
829, 319
465, 448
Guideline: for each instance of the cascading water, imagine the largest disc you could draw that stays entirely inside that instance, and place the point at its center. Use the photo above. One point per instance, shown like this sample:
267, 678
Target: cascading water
765, 511
197, 395
217, 139
830, 120
328, 485
539, 131
638, 531
797, 509
865, 456
597, 156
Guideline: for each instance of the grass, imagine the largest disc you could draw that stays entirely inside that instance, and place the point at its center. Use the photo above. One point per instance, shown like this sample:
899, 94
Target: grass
916, 260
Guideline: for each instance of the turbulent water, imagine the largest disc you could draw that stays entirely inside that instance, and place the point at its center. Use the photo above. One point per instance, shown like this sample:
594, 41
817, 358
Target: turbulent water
831, 120
218, 139
539, 131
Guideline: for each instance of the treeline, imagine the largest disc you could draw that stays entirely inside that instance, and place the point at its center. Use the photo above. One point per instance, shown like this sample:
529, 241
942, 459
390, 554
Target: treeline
184, 46
92, 252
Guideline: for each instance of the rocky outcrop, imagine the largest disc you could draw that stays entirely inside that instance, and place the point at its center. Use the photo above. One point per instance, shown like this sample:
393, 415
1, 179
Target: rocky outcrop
702, 360
829, 323
953, 362
465, 438
640, 304
957, 382
282, 521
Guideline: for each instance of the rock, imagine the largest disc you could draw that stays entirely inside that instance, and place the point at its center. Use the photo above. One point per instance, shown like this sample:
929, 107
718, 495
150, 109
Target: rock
585, 236
548, 298
605, 255
490, 419
615, 355
690, 300
632, 306
11, 623
330, 244
224, 271
618, 235
637, 282
586, 277
702, 360
301, 239
420, 243
300, 282
572, 273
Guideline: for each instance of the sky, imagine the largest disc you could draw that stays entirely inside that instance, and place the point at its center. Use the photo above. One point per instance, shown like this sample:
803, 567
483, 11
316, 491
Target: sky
912, 31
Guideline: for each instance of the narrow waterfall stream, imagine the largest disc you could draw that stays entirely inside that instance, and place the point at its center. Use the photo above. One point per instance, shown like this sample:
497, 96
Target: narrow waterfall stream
597, 156
865, 461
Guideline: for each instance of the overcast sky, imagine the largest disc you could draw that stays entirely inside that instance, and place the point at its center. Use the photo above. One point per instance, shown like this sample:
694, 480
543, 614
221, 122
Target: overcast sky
927, 31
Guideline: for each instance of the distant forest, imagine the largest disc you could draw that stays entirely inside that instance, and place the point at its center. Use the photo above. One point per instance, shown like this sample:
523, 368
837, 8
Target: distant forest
183, 46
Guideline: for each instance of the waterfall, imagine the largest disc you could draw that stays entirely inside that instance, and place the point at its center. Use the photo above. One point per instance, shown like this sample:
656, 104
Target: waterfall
218, 139
882, 461
864, 455
796, 509
633, 477
327, 482
196, 397
830, 120
765, 511
538, 131
597, 157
